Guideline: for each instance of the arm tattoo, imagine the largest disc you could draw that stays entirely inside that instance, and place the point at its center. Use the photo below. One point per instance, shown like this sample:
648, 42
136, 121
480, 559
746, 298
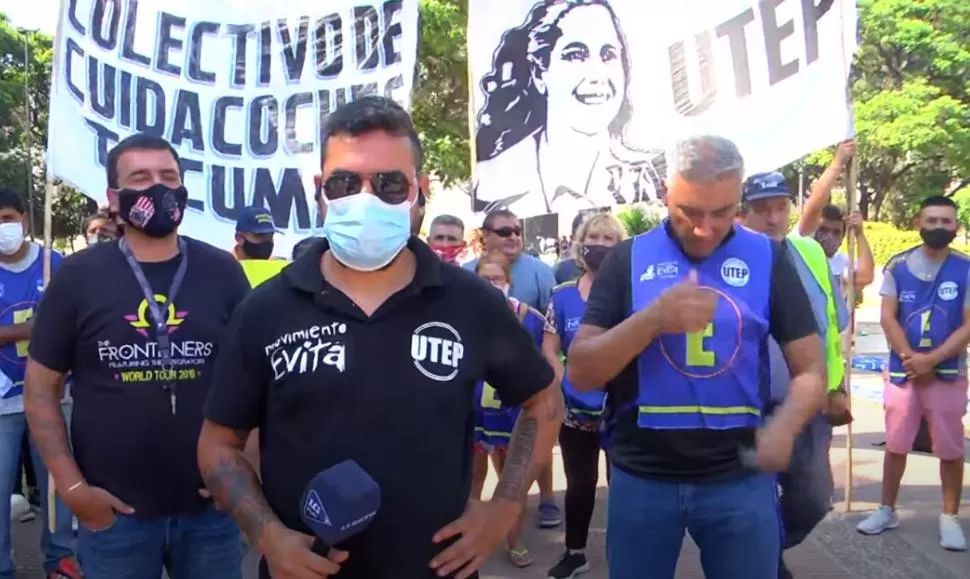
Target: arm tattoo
235, 486
516, 477
46, 420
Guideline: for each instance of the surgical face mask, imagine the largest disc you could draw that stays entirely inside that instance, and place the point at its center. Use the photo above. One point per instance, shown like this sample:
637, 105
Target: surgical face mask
11, 237
830, 243
366, 233
156, 211
936, 238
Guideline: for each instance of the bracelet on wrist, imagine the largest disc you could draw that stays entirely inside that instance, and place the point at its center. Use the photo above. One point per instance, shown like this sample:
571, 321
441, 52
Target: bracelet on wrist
73, 487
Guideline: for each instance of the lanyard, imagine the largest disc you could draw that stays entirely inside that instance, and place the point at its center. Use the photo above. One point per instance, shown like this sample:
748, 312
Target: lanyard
159, 318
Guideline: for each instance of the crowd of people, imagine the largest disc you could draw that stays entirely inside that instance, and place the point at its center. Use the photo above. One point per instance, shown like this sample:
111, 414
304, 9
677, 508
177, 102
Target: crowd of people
181, 397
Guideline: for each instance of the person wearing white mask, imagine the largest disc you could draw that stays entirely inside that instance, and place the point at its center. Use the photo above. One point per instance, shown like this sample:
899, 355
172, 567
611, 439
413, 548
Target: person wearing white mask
369, 348
21, 287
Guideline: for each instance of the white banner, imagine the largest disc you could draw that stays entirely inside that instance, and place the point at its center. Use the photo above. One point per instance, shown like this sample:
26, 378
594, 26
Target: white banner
241, 88
577, 101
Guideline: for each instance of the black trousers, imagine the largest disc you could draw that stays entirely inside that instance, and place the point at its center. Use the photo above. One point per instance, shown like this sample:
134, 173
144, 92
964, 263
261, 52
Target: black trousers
580, 457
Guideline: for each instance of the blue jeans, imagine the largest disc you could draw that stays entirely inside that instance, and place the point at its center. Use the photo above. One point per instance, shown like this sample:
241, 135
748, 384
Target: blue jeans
203, 546
806, 489
735, 524
55, 546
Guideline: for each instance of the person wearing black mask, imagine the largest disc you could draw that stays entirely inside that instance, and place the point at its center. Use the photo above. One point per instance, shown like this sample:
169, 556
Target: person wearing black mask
926, 318
254, 234
136, 323
580, 437
254, 245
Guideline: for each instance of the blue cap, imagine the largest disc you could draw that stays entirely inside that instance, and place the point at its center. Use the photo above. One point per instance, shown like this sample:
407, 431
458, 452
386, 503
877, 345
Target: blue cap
255, 219
765, 186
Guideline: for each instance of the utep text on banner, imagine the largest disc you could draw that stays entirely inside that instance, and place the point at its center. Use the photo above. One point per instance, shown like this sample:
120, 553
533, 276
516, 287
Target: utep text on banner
577, 101
241, 88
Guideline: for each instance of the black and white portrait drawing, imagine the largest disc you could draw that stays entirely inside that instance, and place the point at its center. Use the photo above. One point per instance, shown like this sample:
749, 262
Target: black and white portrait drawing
553, 116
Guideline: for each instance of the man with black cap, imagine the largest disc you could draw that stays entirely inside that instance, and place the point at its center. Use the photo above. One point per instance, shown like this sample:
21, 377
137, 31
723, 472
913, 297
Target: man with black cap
254, 244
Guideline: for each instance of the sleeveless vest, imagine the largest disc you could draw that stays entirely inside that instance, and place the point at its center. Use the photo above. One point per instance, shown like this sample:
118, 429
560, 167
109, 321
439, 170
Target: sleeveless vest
716, 378
260, 270
584, 410
929, 310
813, 256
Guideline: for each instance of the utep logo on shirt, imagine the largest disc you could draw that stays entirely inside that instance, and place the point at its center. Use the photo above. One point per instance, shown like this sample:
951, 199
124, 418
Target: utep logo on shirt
437, 350
308, 350
142, 319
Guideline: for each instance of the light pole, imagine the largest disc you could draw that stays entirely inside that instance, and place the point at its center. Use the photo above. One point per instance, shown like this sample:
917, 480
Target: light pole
28, 129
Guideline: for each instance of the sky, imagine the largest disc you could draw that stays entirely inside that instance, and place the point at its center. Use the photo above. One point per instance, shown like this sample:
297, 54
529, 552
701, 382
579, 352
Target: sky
32, 14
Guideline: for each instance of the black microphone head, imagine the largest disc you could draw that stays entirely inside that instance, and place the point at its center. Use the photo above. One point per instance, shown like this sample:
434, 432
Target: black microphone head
340, 502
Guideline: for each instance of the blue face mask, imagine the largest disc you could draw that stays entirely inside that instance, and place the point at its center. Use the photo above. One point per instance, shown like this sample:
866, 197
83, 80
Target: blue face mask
365, 233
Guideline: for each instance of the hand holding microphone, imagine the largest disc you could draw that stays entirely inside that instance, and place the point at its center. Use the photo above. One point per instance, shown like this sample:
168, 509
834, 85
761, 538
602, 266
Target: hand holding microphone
339, 502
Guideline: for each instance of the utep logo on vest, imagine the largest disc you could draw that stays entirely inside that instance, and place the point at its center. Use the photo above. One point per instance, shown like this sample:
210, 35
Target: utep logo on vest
437, 349
948, 291
735, 272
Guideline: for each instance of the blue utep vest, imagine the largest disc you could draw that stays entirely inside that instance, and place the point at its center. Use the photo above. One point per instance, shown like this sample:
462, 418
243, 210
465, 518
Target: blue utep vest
717, 378
929, 311
583, 408
19, 294
497, 419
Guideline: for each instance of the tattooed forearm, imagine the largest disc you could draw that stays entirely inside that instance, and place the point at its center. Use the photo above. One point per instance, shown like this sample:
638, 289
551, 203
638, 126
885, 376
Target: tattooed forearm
235, 487
515, 480
43, 392
531, 443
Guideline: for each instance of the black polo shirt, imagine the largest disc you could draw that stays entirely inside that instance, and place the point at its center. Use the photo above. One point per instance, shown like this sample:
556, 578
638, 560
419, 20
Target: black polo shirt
94, 322
324, 383
695, 456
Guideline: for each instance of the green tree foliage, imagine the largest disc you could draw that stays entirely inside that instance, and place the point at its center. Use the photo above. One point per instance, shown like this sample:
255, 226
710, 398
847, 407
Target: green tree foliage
911, 105
25, 68
638, 218
441, 91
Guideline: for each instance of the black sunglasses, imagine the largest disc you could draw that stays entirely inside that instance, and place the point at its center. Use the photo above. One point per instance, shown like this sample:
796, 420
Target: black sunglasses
507, 231
391, 187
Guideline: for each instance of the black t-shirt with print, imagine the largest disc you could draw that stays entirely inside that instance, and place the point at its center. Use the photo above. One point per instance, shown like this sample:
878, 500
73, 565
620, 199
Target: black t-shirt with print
324, 383
95, 322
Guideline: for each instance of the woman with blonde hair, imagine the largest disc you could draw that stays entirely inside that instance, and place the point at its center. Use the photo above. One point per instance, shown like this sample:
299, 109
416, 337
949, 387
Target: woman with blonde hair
581, 436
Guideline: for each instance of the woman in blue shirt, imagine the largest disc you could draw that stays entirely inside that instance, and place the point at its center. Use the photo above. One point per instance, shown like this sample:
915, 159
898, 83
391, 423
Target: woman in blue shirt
580, 437
494, 421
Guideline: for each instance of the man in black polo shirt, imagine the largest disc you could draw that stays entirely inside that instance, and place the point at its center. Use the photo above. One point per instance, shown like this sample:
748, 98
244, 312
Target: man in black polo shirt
136, 323
369, 348
676, 327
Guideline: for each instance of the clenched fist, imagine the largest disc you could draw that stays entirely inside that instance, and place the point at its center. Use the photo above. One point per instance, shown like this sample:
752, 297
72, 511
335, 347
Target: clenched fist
686, 307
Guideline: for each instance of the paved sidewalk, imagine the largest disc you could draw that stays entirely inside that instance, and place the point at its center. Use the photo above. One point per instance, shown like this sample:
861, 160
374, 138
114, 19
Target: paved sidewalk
835, 551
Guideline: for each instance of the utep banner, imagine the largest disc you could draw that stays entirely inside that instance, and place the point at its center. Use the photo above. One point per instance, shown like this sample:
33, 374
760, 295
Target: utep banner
241, 88
577, 101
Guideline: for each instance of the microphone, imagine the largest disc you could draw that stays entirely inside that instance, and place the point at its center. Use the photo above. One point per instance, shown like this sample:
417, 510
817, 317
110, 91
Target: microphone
338, 503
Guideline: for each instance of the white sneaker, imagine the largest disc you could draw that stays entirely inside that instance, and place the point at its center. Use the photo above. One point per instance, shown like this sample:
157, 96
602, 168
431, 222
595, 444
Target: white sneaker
882, 519
951, 534
20, 509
